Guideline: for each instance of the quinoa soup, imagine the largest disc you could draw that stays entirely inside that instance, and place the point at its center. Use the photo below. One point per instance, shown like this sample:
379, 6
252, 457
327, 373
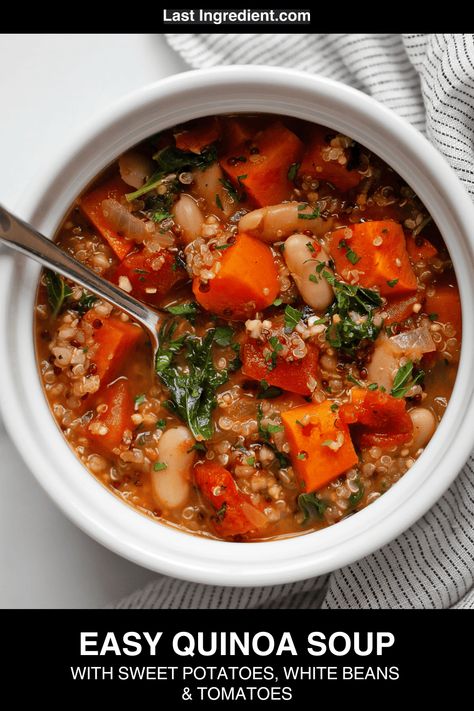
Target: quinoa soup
310, 330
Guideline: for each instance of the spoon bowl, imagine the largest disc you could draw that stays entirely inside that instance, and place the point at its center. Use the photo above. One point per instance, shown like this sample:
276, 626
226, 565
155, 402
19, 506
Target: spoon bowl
24, 238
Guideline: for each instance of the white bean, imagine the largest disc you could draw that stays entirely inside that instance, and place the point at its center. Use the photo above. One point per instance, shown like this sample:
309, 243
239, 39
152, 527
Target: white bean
275, 222
302, 261
384, 363
188, 216
171, 485
208, 184
424, 425
135, 168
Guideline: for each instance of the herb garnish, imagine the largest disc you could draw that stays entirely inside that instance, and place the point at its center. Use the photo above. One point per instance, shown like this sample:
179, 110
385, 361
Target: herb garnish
292, 318
192, 389
189, 309
307, 215
346, 332
220, 513
357, 495
58, 291
85, 303
392, 282
311, 506
293, 172
350, 254
171, 160
219, 202
272, 355
159, 466
404, 380
236, 195
265, 432
268, 391
139, 400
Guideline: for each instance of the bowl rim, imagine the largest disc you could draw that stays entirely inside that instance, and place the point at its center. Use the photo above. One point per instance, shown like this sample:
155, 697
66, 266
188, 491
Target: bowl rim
26, 413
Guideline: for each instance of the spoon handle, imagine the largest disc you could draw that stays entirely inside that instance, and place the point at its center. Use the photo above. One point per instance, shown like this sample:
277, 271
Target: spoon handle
24, 238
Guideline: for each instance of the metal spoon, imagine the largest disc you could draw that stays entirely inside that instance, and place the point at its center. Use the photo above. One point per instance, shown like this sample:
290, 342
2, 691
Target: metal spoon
21, 236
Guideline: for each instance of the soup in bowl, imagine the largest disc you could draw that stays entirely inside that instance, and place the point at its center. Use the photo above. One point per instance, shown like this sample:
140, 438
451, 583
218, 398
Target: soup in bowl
67, 439
310, 332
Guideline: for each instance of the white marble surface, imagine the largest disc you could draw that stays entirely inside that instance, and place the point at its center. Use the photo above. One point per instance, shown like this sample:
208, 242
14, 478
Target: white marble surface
48, 85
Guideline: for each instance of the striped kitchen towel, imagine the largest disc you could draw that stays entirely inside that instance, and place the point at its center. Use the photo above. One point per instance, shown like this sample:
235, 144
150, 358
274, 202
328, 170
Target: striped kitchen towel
429, 80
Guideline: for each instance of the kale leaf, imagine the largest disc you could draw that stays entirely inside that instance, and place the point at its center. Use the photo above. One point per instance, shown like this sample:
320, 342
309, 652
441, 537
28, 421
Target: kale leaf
192, 389
58, 291
351, 315
311, 506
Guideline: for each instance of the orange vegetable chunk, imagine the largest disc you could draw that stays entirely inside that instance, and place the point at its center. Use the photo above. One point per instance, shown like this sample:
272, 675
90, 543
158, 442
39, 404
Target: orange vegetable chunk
381, 259
235, 515
294, 376
200, 134
148, 284
247, 281
314, 460
91, 206
116, 419
315, 165
116, 340
446, 304
376, 418
261, 166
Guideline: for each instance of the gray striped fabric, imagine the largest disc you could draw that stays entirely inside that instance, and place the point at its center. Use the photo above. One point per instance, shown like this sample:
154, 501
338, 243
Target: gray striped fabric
428, 79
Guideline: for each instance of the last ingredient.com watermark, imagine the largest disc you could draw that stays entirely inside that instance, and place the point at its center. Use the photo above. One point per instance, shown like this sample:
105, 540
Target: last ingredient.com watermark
237, 17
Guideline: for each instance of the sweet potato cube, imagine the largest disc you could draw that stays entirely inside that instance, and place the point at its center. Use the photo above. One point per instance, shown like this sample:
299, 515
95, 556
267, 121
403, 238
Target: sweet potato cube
320, 445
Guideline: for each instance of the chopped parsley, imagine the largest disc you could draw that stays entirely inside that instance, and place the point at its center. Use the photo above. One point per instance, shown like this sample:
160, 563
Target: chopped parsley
405, 380
372, 386
268, 391
221, 512
351, 315
139, 400
277, 302
292, 318
350, 254
311, 506
272, 355
293, 172
189, 308
161, 424
86, 302
307, 215
223, 336
219, 202
250, 461
433, 316
356, 497
392, 283
198, 447
172, 160
159, 466
236, 195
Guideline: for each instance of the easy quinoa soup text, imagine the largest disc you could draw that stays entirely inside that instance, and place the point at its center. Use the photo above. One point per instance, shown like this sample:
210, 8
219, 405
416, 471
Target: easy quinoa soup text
309, 338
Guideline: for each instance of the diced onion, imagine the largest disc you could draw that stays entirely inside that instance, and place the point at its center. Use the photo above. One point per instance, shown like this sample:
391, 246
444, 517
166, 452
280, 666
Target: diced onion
414, 343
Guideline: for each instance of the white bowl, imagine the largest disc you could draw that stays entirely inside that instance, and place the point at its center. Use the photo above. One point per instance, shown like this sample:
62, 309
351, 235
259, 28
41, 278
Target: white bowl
25, 410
